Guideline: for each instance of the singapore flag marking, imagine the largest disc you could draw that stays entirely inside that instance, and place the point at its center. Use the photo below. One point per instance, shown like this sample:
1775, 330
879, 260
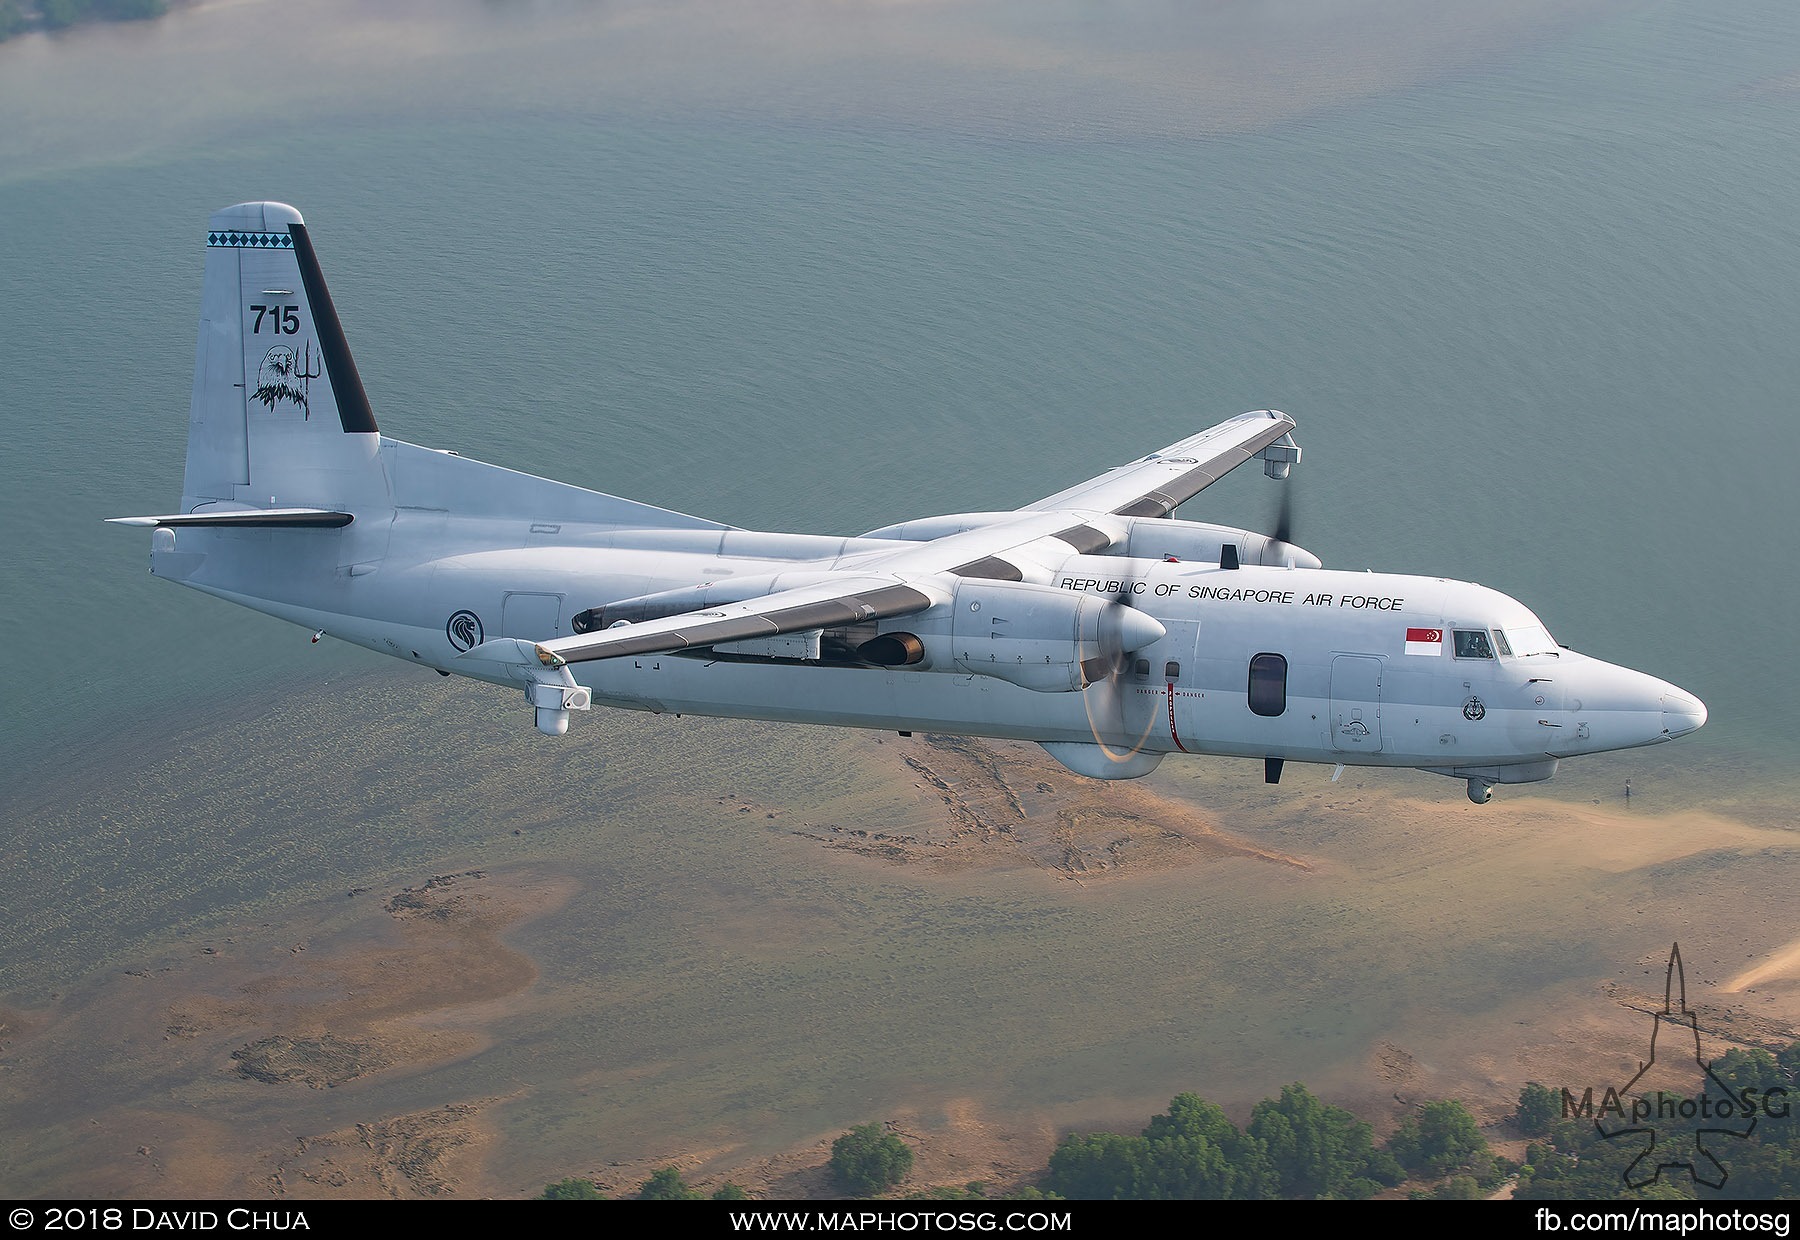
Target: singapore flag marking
1424, 641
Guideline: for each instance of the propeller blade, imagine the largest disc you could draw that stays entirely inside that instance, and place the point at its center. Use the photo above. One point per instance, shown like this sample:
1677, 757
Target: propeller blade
1122, 629
1284, 522
1282, 548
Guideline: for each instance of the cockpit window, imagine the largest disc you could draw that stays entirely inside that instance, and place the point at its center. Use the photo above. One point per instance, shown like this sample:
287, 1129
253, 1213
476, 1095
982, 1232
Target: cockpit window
1473, 644
1500, 643
1530, 639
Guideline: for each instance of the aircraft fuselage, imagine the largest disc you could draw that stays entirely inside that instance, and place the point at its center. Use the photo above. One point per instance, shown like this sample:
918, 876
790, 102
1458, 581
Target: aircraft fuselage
1339, 681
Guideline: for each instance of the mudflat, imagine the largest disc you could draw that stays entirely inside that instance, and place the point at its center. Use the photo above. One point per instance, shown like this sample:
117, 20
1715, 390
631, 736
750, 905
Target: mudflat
413, 951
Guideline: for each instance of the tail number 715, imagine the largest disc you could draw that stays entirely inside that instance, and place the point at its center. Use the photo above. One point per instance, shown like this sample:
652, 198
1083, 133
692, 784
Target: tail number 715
283, 320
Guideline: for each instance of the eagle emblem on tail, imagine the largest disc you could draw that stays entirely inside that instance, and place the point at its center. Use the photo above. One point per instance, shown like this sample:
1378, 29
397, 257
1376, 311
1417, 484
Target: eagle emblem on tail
281, 378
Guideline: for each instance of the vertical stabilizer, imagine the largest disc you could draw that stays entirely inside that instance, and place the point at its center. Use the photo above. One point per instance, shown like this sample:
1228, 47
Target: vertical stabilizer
279, 418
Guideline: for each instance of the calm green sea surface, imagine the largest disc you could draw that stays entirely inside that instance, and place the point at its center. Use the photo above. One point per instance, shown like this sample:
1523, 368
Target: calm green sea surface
1530, 284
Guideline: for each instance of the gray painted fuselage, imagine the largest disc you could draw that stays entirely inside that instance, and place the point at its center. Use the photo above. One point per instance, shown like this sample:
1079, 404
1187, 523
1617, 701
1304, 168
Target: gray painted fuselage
1341, 634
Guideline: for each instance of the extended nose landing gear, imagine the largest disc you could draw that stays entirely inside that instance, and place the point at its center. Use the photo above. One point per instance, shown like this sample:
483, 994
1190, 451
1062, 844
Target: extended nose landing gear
1482, 779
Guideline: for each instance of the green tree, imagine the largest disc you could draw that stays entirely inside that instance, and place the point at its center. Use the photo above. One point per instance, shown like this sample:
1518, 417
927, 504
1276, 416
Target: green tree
1539, 1107
1574, 1163
1457, 1188
1317, 1151
667, 1185
730, 1192
1099, 1166
1789, 1059
867, 1160
1197, 1153
571, 1189
1194, 1152
1750, 1069
1439, 1138
1766, 1172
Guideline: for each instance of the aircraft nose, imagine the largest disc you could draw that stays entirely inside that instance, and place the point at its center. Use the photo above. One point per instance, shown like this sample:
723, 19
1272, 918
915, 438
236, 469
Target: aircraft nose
1618, 708
1682, 713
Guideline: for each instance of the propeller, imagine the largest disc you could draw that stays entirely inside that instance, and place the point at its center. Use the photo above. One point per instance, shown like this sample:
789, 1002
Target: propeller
1121, 630
1285, 552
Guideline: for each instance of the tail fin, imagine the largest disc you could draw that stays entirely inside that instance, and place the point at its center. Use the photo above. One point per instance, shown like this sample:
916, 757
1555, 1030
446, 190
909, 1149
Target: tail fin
279, 417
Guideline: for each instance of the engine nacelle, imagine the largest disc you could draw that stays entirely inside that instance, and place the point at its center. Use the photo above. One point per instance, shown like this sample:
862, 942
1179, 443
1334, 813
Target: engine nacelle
1037, 637
1156, 538
925, 529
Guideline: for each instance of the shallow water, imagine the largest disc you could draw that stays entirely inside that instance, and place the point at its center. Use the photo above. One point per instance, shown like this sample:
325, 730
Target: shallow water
1523, 280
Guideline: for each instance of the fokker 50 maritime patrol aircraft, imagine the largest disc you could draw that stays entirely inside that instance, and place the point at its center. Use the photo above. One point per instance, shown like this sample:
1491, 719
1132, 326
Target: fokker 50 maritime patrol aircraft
1089, 621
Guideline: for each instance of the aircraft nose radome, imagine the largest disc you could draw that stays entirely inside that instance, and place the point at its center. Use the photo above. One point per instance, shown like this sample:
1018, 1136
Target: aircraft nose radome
1682, 713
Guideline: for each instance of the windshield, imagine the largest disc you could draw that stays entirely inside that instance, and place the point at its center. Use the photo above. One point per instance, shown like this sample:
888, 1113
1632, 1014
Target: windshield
1529, 639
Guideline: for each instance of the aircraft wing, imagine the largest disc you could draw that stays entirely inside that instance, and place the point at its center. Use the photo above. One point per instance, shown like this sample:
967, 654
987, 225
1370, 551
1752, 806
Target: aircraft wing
878, 585
1151, 486
821, 605
1154, 485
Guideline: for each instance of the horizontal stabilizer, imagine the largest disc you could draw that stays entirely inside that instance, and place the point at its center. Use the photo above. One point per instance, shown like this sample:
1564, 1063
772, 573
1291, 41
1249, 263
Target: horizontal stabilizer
260, 518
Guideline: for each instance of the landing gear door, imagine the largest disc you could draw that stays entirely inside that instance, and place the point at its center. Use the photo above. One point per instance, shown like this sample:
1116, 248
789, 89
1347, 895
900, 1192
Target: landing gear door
1356, 703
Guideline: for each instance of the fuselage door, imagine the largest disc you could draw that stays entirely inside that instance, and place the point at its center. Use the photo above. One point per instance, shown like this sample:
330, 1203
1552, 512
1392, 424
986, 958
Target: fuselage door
534, 617
1356, 703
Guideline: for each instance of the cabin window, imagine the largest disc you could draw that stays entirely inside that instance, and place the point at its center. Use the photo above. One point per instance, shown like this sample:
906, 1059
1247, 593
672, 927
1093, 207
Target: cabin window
1172, 671
1268, 684
1141, 669
1473, 644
